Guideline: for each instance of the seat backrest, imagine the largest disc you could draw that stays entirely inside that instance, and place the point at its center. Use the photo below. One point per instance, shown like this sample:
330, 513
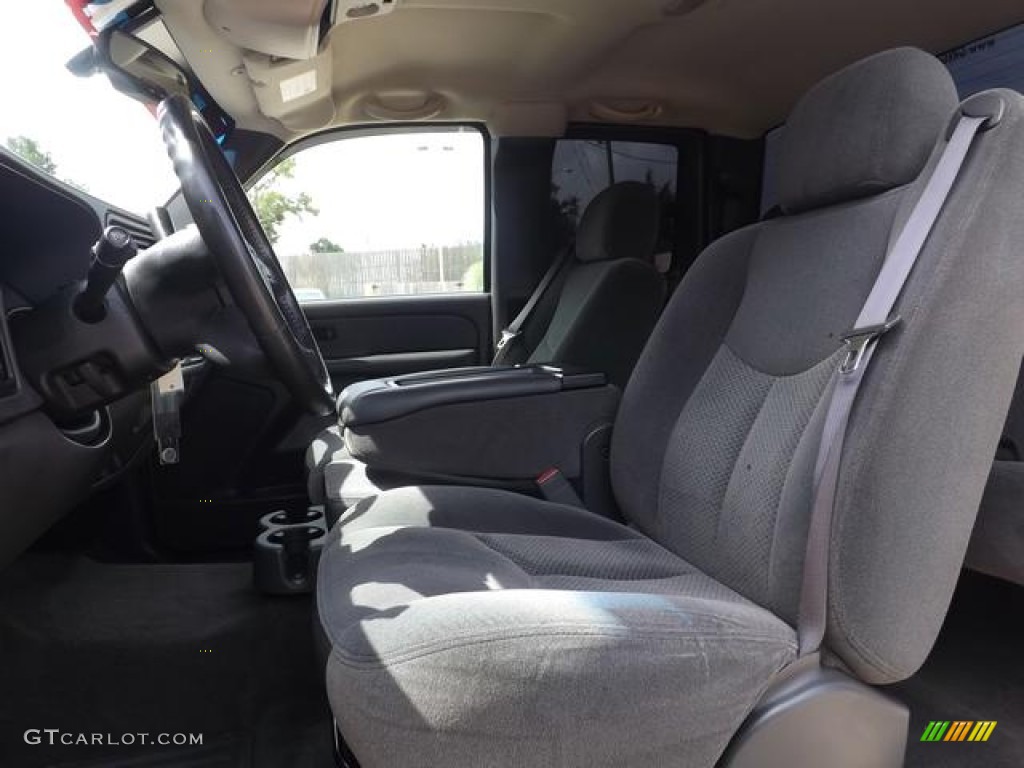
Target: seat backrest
715, 444
606, 302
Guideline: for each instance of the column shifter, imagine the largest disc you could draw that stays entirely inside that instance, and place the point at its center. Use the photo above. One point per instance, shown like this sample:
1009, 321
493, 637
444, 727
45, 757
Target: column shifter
111, 252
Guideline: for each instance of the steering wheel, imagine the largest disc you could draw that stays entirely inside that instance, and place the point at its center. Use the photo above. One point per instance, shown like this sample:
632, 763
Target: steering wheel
247, 262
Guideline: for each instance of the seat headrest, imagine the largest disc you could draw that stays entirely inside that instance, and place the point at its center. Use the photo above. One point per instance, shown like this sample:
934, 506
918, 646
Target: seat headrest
620, 223
866, 129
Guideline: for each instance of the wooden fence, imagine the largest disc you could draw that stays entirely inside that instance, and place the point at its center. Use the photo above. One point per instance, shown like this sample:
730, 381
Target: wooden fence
352, 274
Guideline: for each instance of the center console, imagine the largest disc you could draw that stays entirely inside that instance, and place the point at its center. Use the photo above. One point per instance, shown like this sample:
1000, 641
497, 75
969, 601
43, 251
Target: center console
493, 426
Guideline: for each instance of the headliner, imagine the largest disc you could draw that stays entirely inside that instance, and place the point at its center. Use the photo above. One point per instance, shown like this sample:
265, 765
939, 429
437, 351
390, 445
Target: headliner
527, 67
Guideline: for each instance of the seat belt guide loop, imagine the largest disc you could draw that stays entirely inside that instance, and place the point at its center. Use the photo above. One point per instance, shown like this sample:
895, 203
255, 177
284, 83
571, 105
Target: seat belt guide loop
860, 340
507, 337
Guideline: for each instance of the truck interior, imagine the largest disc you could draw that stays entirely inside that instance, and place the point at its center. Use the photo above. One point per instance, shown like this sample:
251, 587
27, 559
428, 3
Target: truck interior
456, 384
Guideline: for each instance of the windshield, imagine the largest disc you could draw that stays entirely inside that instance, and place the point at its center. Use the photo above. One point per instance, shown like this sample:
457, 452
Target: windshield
78, 129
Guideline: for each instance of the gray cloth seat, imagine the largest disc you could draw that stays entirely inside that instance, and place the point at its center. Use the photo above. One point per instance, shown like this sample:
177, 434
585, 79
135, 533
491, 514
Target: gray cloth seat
596, 315
479, 628
455, 572
602, 307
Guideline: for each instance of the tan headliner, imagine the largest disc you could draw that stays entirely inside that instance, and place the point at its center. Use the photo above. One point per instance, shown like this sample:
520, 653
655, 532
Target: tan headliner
527, 66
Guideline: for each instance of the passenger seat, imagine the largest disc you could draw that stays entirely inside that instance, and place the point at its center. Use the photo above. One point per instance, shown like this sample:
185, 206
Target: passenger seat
596, 314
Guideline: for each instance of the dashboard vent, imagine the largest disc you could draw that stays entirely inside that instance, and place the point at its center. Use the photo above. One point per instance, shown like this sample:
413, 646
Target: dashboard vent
138, 228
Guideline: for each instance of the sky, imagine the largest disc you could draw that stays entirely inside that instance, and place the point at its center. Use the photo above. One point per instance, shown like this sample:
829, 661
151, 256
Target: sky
96, 136
391, 191
398, 191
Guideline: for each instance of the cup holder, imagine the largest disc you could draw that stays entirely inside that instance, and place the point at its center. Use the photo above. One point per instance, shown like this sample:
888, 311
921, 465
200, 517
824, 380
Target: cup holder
308, 516
288, 551
292, 537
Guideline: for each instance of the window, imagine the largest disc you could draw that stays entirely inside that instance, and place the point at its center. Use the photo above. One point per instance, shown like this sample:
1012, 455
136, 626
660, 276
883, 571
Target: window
581, 169
79, 130
383, 215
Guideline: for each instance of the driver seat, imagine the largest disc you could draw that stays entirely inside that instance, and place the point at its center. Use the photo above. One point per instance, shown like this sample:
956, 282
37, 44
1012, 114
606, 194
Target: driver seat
474, 627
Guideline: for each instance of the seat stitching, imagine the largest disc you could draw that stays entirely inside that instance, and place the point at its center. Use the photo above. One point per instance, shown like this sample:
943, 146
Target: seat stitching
357, 661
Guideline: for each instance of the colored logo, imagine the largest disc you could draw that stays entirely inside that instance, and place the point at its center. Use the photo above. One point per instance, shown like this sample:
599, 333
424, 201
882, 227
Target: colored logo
958, 730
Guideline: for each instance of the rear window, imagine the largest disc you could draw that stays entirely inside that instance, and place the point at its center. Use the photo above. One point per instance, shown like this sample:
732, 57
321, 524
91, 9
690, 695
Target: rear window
581, 168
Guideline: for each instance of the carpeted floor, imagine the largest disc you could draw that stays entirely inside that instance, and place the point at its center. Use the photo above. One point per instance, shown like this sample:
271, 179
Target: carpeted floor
975, 672
124, 649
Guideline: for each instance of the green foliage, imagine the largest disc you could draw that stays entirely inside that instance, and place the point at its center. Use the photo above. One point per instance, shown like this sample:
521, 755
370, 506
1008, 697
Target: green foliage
29, 150
473, 277
273, 206
325, 245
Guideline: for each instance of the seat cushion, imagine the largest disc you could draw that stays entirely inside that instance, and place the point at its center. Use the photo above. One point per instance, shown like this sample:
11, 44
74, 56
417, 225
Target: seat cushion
472, 627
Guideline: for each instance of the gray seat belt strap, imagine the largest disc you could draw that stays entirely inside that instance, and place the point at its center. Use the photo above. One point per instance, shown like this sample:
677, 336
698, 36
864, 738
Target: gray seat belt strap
875, 320
515, 328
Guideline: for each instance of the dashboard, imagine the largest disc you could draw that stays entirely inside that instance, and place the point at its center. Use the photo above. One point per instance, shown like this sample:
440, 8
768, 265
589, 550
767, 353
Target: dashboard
48, 465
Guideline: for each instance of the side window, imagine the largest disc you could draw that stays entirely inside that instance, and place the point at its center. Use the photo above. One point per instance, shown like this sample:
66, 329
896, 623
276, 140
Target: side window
385, 215
581, 168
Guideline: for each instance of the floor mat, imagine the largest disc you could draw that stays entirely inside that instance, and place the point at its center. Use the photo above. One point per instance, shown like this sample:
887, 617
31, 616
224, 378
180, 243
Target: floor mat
975, 672
116, 651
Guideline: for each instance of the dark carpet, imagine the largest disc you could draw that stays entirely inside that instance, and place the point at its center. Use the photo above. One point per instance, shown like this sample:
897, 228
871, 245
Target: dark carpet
975, 672
93, 648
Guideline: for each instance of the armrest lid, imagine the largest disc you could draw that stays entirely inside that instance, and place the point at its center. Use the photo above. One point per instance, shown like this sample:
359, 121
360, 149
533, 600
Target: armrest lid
379, 400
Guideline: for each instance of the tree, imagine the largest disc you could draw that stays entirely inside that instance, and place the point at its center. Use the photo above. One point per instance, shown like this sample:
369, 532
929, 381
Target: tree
325, 245
273, 206
473, 277
29, 150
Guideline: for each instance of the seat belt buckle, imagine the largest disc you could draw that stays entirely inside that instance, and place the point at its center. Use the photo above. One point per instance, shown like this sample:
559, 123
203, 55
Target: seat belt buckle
860, 340
507, 337
555, 488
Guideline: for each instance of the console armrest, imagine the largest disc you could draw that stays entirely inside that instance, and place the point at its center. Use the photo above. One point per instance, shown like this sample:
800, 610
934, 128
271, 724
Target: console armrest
377, 400
489, 423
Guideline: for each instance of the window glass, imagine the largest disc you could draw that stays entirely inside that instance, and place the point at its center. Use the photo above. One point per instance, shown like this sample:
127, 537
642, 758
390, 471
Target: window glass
385, 215
581, 169
79, 130
996, 61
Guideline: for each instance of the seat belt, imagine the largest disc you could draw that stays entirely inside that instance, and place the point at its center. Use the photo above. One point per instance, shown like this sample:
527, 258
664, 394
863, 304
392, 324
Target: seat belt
514, 329
875, 320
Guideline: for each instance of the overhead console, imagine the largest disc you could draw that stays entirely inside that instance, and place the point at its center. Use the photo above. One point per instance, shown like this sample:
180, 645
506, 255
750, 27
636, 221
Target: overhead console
282, 52
292, 30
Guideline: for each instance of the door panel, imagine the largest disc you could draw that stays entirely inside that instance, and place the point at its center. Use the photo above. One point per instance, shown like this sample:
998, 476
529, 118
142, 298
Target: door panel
371, 338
